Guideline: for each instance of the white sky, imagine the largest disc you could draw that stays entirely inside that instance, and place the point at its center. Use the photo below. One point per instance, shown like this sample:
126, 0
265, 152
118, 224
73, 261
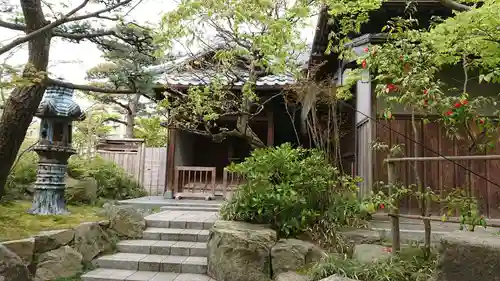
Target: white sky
71, 61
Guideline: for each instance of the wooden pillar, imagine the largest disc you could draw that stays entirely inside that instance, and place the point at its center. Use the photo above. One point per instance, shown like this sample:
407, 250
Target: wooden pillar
169, 182
270, 127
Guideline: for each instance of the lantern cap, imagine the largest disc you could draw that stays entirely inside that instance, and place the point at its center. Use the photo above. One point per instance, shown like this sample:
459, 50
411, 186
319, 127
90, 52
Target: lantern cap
58, 102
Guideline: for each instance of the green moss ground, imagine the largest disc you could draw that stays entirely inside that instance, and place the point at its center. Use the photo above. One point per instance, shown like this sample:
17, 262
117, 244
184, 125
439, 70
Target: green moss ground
16, 223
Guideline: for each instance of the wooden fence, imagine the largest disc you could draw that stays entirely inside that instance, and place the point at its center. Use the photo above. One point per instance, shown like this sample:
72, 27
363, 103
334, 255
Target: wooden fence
147, 166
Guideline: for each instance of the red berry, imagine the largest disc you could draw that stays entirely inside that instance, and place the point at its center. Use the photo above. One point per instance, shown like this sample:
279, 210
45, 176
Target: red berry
363, 64
426, 92
426, 102
382, 206
458, 104
449, 113
464, 102
366, 50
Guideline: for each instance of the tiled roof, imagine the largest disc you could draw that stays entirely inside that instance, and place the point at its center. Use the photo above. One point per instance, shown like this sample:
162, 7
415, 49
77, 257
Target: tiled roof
203, 77
174, 73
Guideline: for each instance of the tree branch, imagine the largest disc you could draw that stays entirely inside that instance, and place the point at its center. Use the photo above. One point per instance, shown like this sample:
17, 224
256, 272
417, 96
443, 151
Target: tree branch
455, 5
13, 26
88, 87
65, 19
58, 33
112, 119
82, 36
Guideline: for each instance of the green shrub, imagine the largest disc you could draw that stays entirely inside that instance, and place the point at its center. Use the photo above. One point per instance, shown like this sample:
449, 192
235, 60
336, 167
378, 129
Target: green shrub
403, 268
22, 176
113, 182
290, 189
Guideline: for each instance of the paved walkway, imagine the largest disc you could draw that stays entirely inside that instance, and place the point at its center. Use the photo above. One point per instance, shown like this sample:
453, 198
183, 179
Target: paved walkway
173, 248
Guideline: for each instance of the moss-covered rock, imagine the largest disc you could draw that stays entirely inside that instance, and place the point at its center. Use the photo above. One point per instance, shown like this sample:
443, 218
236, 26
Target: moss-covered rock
239, 251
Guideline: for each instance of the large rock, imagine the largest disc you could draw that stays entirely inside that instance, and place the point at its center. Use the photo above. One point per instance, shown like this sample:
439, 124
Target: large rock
12, 267
291, 276
368, 253
360, 235
337, 278
23, 248
239, 251
293, 254
59, 263
91, 240
53, 239
469, 256
126, 221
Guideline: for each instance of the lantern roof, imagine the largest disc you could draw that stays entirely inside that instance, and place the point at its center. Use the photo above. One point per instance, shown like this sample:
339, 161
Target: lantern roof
58, 102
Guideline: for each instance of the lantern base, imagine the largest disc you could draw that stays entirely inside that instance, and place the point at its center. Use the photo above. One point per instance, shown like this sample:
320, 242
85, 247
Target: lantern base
48, 202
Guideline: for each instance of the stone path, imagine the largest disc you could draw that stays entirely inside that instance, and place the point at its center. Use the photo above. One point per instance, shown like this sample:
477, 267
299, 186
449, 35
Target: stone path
173, 247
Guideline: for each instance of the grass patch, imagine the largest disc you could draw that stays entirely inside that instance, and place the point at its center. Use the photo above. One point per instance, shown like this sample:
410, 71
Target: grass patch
16, 223
409, 266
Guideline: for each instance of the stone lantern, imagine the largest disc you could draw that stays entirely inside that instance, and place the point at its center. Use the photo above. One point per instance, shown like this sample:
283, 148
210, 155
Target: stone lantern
57, 112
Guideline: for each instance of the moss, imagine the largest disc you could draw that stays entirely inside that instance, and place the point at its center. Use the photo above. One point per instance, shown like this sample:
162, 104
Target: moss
16, 223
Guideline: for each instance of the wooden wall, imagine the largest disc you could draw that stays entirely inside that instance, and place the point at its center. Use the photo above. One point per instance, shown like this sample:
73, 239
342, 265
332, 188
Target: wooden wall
439, 175
147, 166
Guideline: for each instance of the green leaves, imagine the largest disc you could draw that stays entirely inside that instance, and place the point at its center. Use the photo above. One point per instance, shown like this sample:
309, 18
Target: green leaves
291, 188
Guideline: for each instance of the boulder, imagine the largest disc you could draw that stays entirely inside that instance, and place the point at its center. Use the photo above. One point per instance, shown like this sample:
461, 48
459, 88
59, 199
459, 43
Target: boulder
291, 276
126, 221
360, 235
59, 263
468, 256
91, 240
12, 267
239, 251
368, 253
24, 248
294, 254
337, 278
52, 239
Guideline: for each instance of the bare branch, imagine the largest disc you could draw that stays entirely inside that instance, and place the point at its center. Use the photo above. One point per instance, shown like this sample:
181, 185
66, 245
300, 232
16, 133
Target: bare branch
13, 26
88, 87
112, 119
455, 5
65, 19
99, 12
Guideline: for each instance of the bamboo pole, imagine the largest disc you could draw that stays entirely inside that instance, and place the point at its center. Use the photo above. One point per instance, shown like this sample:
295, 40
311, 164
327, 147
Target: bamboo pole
443, 158
396, 241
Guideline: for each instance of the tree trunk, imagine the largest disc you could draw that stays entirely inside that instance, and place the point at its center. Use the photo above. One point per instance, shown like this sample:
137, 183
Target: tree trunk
23, 102
133, 105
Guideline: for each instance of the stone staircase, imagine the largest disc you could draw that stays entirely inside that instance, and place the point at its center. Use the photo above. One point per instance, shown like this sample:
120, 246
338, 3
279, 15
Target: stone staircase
173, 248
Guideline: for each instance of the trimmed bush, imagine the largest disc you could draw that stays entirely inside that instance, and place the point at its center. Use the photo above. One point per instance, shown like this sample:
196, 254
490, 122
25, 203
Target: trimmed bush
113, 182
89, 181
291, 189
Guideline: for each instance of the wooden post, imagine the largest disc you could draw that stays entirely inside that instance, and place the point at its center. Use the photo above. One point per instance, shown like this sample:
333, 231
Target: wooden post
396, 241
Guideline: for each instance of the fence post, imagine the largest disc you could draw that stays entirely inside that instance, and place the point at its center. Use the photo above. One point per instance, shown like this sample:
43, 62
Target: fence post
396, 241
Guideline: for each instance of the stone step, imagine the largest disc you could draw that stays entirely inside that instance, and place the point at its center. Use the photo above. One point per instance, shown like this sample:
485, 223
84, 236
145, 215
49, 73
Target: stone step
180, 223
208, 204
105, 274
182, 219
158, 247
191, 208
158, 263
176, 234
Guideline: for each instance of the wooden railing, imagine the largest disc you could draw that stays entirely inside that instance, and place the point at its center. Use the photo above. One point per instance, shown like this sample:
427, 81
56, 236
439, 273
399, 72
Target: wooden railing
194, 182
230, 182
